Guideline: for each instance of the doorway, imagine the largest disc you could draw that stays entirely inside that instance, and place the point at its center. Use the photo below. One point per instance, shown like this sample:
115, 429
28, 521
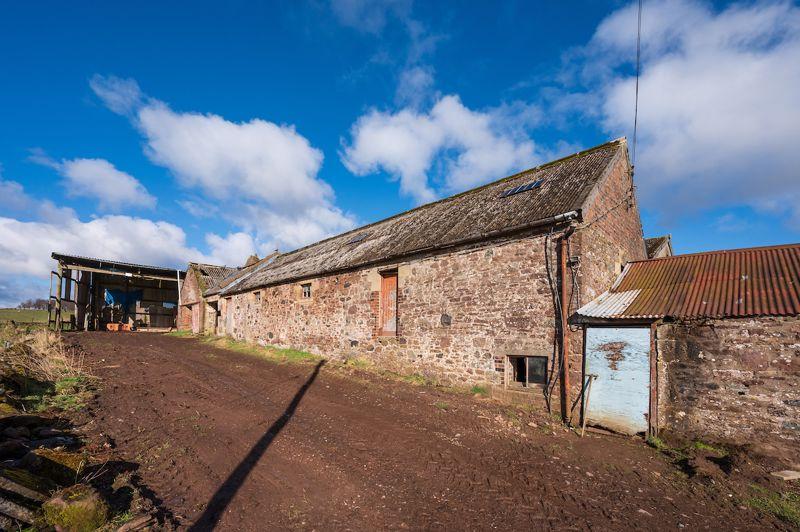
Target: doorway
619, 358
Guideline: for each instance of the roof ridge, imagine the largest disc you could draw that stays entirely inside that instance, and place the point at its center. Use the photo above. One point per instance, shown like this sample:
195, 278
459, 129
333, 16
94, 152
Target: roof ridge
719, 252
620, 140
212, 265
56, 255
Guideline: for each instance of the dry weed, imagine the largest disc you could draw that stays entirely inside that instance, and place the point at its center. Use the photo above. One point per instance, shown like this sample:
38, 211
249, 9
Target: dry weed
42, 355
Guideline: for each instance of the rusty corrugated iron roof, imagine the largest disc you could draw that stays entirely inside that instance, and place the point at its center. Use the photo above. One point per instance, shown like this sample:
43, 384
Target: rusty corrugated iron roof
734, 283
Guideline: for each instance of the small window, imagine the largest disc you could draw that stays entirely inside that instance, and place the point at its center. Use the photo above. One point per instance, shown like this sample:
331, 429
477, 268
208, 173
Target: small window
358, 238
257, 296
522, 188
527, 371
305, 290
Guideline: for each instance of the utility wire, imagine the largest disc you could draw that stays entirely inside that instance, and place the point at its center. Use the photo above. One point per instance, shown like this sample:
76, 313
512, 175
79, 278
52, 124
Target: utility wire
638, 64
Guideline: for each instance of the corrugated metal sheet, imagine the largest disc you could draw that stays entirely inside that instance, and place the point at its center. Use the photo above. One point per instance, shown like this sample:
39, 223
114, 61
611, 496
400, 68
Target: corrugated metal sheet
609, 304
719, 284
113, 265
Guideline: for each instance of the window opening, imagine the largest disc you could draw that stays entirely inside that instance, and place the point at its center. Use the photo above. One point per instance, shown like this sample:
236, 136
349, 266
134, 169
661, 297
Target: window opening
522, 188
527, 370
358, 238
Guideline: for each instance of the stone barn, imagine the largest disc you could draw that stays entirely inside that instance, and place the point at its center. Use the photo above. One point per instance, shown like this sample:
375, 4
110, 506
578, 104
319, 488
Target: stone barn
199, 310
196, 309
474, 288
704, 345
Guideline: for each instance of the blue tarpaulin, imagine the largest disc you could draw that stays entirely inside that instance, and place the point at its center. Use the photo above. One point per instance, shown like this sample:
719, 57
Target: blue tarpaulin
122, 298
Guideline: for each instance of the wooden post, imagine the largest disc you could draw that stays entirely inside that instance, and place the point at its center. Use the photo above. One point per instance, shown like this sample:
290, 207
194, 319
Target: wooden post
60, 272
564, 299
82, 299
586, 395
95, 302
652, 415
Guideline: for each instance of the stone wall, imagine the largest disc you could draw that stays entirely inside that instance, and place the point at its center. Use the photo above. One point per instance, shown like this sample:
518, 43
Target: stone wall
210, 317
734, 380
190, 293
609, 237
459, 314
611, 234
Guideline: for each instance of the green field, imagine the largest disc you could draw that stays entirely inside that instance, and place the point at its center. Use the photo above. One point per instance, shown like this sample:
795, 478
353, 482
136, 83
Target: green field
23, 315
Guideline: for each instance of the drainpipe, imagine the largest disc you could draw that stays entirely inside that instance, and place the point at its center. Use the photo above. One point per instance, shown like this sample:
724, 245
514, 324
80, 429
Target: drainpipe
564, 299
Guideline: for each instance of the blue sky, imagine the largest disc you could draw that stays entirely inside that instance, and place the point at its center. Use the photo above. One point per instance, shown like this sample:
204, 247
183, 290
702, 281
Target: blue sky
174, 131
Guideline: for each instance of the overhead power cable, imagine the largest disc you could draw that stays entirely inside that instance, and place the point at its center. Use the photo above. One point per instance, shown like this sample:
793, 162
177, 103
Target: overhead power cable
638, 66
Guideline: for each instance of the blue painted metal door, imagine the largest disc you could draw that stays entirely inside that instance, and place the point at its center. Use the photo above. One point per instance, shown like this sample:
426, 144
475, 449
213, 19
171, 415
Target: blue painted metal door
620, 395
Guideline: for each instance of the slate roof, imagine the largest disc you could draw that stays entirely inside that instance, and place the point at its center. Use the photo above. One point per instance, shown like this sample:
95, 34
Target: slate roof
209, 275
237, 276
653, 245
480, 213
717, 284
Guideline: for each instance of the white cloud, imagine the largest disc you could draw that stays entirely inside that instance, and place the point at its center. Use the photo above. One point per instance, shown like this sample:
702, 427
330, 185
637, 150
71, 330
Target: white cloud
461, 146
244, 167
199, 208
14, 290
719, 110
232, 249
99, 179
26, 245
369, 16
414, 86
257, 159
13, 196
123, 96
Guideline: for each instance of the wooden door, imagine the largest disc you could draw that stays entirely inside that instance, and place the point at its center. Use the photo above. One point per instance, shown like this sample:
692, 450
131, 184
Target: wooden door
389, 304
620, 395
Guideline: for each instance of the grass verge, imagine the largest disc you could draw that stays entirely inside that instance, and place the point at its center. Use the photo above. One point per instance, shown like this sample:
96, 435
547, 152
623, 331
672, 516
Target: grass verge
479, 390
42, 371
784, 506
270, 352
284, 355
683, 452
180, 334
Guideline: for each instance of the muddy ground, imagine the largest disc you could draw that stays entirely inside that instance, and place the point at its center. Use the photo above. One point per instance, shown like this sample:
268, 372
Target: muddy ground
238, 442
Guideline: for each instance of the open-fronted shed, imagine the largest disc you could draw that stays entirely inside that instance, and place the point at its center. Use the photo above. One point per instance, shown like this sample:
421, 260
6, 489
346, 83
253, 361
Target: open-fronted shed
102, 292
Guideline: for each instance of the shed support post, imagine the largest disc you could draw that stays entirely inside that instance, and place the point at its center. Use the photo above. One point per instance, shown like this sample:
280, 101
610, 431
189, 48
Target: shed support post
60, 271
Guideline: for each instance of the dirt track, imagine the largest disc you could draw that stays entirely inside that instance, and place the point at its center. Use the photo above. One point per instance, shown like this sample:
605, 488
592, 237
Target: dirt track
242, 443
